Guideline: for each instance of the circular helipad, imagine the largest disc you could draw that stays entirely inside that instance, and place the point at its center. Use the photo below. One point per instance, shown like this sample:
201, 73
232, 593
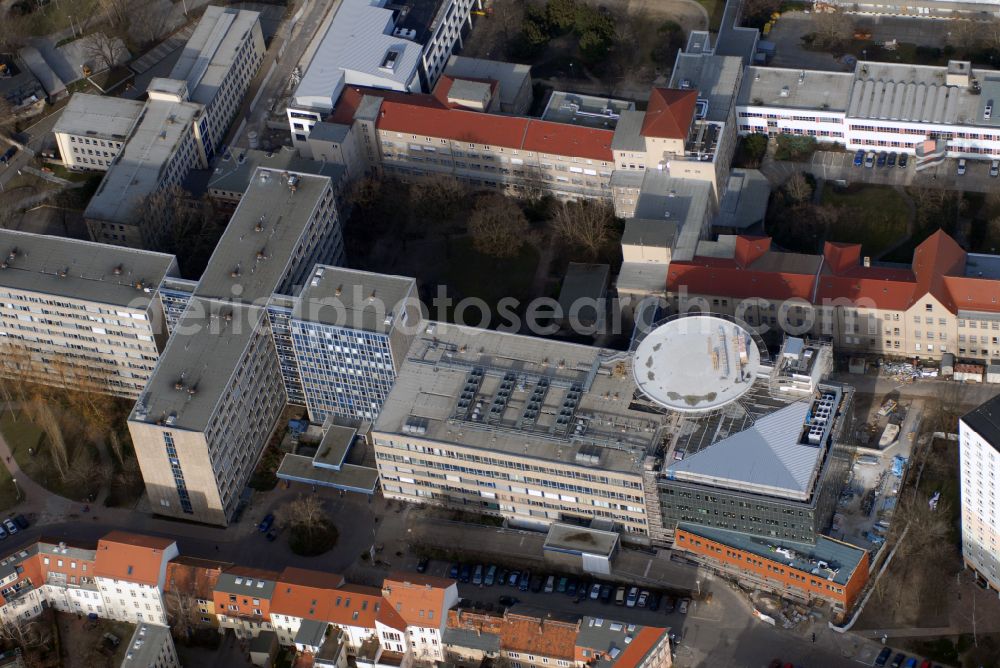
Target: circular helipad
696, 363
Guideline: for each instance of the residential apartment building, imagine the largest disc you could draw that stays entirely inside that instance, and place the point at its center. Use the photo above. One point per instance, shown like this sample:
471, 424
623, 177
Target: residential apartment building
946, 302
218, 390
309, 597
130, 573
81, 314
422, 602
979, 463
242, 599
368, 43
217, 64
151, 645
532, 430
188, 592
927, 111
93, 129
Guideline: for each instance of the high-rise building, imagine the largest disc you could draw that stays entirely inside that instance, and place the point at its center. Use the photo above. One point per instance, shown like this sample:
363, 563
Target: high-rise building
979, 462
81, 314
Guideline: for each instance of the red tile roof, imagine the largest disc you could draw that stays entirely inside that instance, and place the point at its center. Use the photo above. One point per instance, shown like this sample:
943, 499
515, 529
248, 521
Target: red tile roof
644, 641
568, 140
324, 596
521, 633
713, 276
419, 599
669, 113
131, 557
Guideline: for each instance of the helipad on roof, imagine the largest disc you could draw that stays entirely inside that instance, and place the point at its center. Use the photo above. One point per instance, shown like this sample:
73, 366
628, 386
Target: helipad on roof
696, 363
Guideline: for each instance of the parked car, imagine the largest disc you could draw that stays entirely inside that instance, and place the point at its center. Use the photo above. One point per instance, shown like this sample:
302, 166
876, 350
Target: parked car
654, 602
422, 565
882, 157
491, 576
911, 662
513, 577
926, 663
561, 585
898, 660
477, 575
21, 522
453, 570
620, 596
503, 575
903, 159
524, 581
571, 587
265, 524
465, 573
550, 584
11, 527
669, 604
683, 606
891, 160
633, 596
870, 159
995, 168
3, 533
961, 166
508, 601
8, 154
582, 591
595, 591
605, 593
643, 599
883, 657
859, 157
988, 110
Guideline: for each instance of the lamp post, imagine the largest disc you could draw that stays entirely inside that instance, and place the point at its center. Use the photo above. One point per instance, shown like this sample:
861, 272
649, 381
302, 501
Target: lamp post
17, 490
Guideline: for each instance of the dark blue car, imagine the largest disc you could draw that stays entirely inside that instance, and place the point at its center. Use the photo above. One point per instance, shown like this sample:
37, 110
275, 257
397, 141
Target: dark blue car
859, 157
266, 523
882, 157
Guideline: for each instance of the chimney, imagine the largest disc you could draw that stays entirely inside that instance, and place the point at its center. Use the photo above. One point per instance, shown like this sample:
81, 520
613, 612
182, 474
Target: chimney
868, 261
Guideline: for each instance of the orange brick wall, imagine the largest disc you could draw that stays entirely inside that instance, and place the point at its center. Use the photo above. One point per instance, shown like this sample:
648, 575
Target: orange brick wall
779, 574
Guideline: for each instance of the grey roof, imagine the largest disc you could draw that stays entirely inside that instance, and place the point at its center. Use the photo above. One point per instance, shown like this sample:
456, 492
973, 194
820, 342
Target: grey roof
587, 110
264, 642
628, 132
577, 540
19, 86
90, 269
252, 264
211, 50
642, 277
354, 298
789, 88
583, 281
334, 446
714, 77
684, 201
299, 468
352, 51
770, 457
610, 637
842, 558
745, 201
426, 399
985, 421
204, 350
311, 632
469, 639
146, 644
47, 77
645, 232
245, 585
99, 116
511, 76
233, 172
331, 132
138, 171
735, 40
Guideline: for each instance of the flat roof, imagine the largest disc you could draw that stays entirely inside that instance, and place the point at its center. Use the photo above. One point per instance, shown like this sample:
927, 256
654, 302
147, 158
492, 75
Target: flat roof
83, 270
841, 559
98, 116
139, 168
920, 93
583, 281
201, 355
521, 395
234, 171
578, 540
351, 477
684, 202
256, 251
796, 89
211, 50
714, 77
980, 265
354, 298
510, 76
588, 110
696, 363
145, 645
646, 232
745, 201
353, 50
642, 277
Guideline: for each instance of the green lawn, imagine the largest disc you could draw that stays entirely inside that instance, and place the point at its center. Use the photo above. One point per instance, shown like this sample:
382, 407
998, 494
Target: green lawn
874, 216
473, 274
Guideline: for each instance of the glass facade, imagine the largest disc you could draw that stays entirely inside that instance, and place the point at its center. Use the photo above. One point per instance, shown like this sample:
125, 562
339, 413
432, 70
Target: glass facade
175, 468
279, 316
344, 372
174, 304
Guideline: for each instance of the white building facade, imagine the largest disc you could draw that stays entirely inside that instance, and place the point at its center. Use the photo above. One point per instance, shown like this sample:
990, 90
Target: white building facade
979, 457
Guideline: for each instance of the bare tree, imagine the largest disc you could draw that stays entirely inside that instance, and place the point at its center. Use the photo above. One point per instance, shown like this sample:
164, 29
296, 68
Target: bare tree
798, 189
438, 197
118, 11
115, 445
182, 608
498, 226
832, 28
48, 422
305, 512
105, 52
583, 224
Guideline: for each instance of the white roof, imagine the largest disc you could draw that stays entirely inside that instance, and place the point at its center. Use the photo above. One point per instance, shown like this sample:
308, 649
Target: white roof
768, 457
211, 51
98, 116
353, 51
696, 363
